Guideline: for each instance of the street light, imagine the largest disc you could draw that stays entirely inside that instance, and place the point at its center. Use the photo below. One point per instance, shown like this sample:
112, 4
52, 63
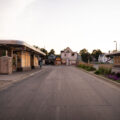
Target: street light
116, 44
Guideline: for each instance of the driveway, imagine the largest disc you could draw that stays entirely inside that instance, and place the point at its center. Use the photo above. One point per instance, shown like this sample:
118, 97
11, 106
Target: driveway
60, 93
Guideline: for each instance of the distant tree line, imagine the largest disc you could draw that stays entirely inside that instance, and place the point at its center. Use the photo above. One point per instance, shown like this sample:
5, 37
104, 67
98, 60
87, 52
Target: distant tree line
52, 51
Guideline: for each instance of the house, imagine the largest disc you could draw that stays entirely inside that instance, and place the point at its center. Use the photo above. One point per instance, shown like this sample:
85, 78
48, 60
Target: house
17, 55
50, 60
68, 57
104, 59
58, 60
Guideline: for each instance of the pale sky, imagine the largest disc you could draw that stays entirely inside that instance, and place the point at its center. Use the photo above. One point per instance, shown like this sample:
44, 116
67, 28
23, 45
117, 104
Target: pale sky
91, 24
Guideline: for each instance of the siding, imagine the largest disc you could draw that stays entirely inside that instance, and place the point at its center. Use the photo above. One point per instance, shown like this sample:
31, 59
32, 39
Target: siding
25, 59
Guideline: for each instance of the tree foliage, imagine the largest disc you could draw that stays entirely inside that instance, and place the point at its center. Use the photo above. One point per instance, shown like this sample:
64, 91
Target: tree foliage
52, 51
95, 54
85, 55
44, 50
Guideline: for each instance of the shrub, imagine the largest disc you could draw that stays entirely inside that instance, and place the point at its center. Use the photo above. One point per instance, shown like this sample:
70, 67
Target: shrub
97, 72
114, 77
113, 73
86, 66
118, 74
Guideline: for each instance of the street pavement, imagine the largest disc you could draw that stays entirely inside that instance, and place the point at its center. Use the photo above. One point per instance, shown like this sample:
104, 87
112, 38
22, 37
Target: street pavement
60, 93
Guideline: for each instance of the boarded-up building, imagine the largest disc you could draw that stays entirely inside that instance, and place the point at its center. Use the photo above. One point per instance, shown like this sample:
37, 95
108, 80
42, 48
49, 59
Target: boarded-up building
24, 56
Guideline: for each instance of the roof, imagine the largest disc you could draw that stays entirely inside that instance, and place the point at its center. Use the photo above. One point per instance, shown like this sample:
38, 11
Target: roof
68, 49
113, 54
20, 43
101, 55
51, 56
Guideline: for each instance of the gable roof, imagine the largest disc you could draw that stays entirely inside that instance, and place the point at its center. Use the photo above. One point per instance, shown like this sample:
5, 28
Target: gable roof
67, 50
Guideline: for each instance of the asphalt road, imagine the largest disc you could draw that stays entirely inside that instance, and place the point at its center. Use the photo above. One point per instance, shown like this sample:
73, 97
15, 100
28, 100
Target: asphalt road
60, 93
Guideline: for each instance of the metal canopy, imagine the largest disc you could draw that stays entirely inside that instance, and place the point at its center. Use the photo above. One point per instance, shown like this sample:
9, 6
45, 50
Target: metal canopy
17, 43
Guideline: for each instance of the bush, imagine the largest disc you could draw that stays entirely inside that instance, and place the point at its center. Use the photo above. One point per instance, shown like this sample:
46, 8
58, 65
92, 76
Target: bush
86, 66
113, 77
97, 72
118, 74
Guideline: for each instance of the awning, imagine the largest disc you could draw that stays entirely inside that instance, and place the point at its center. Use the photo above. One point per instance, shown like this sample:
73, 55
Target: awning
18, 43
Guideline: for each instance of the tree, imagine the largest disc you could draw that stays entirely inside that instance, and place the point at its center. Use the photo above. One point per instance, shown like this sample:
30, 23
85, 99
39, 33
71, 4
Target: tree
86, 57
83, 51
44, 50
95, 54
36, 47
52, 51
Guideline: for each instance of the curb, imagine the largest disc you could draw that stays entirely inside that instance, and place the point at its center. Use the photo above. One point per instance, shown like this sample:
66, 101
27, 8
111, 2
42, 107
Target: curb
22, 78
102, 78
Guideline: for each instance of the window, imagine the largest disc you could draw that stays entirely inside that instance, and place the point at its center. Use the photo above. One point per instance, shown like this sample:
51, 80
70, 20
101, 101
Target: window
73, 54
67, 51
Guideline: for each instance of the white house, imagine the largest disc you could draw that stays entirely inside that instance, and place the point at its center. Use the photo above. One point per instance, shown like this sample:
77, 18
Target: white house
69, 57
103, 59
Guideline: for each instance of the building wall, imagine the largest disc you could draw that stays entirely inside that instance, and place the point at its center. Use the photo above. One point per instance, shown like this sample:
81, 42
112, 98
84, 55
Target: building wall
102, 59
5, 65
73, 62
116, 60
69, 56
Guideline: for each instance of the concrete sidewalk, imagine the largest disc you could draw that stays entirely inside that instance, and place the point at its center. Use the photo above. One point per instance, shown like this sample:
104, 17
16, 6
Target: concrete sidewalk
6, 80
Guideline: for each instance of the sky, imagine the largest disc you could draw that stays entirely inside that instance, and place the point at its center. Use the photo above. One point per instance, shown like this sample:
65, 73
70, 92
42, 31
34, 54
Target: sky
57, 24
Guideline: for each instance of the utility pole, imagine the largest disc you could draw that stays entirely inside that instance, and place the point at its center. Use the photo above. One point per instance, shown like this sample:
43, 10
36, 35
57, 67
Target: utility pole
116, 44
